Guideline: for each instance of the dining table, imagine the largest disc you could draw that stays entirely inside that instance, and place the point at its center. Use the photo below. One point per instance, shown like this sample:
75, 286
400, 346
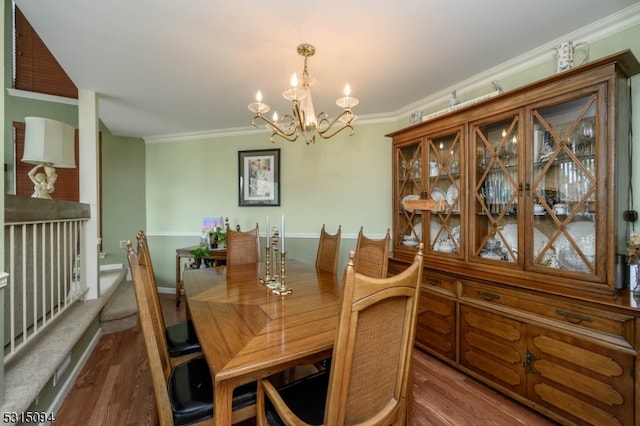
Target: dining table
247, 332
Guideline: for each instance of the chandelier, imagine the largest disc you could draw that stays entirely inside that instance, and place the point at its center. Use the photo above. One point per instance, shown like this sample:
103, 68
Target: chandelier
303, 118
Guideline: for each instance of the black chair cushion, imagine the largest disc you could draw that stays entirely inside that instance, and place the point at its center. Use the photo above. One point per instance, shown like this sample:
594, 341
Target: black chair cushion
306, 397
190, 389
182, 339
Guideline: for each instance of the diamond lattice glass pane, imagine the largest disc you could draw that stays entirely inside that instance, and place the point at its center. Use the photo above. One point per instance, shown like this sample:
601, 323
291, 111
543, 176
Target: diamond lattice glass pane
496, 197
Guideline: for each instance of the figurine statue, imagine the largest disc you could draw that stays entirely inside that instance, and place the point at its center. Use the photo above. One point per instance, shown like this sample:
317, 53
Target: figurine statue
43, 183
497, 86
454, 99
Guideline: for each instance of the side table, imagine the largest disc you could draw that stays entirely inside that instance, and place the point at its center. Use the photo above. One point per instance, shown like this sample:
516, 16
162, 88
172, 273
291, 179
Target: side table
185, 253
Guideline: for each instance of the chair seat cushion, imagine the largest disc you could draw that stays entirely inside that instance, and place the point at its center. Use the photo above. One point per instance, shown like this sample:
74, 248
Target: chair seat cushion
306, 397
190, 389
182, 339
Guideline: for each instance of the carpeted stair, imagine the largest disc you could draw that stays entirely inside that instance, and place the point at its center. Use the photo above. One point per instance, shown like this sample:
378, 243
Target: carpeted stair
121, 311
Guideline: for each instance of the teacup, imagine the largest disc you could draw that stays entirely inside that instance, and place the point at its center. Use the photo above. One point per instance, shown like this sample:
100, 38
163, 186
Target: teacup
559, 209
434, 168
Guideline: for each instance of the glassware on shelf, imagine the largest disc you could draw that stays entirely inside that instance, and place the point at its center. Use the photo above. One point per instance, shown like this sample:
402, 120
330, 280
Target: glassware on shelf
587, 135
417, 169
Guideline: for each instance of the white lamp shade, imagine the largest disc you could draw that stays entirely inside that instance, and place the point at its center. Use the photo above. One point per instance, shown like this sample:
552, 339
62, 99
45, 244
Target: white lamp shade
49, 141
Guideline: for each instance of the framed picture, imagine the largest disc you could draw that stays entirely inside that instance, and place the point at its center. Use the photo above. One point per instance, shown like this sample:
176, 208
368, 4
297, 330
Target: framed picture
259, 176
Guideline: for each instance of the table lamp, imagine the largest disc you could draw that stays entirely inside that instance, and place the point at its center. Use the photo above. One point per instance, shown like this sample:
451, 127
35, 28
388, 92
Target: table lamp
47, 144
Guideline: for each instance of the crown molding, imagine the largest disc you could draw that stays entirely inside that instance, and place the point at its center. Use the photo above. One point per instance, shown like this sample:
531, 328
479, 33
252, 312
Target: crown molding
601, 29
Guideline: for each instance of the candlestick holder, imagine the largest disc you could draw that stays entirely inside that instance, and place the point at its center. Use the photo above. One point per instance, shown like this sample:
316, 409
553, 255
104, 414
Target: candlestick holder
267, 279
282, 289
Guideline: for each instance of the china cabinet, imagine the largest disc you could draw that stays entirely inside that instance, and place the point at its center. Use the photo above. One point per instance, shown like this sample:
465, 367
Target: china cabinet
520, 287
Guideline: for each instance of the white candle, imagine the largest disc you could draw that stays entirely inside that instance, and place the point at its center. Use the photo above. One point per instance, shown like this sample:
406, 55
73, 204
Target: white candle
282, 235
268, 232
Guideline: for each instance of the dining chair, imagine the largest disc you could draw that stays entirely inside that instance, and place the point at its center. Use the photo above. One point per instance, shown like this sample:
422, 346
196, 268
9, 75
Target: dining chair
372, 256
181, 337
368, 382
243, 247
328, 251
183, 393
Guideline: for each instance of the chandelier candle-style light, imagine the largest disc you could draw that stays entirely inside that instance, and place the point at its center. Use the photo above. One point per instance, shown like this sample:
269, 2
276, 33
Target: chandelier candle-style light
304, 119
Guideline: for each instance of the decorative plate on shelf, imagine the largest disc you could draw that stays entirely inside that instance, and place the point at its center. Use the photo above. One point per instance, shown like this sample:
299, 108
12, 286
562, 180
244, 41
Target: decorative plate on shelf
455, 234
510, 234
452, 195
418, 230
438, 194
434, 229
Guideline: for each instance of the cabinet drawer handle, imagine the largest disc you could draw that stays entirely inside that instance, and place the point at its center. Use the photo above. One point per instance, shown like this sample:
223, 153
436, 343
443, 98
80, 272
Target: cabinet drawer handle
434, 281
488, 296
574, 318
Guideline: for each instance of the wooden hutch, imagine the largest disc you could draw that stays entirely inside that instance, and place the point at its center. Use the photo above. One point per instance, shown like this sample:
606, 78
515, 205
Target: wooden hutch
520, 286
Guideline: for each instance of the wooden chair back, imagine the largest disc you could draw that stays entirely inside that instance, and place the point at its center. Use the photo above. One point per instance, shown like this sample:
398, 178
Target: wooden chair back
243, 247
145, 255
155, 343
328, 251
371, 364
372, 256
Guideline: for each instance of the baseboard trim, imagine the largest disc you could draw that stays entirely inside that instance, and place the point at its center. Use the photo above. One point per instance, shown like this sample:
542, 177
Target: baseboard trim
73, 375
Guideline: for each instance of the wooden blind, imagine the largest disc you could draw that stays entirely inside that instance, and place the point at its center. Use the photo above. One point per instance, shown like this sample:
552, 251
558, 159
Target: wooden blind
36, 70
68, 184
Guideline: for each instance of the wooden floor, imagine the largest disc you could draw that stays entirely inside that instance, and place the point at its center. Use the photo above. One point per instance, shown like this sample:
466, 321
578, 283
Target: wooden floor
114, 388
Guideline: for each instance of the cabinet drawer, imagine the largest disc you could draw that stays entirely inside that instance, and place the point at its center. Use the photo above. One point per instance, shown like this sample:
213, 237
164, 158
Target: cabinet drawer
436, 324
396, 266
619, 328
585, 382
439, 283
493, 346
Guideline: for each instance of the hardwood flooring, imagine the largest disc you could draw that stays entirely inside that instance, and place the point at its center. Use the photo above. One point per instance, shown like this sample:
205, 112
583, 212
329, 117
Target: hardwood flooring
114, 388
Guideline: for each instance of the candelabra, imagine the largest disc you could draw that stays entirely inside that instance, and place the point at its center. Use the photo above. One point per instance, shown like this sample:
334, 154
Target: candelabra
267, 275
281, 288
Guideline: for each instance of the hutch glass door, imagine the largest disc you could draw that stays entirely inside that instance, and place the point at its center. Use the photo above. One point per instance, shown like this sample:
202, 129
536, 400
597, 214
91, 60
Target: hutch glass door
495, 229
444, 184
409, 187
564, 186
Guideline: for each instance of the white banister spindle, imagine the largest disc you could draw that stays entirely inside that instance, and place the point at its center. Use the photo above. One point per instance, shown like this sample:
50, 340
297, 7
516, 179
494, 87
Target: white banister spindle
43, 276
24, 282
12, 289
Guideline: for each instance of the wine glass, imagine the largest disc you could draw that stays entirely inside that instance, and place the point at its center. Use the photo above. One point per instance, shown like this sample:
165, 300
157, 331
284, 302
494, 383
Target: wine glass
587, 133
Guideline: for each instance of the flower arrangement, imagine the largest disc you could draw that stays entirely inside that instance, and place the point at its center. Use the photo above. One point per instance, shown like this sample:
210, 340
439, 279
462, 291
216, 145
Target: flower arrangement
633, 249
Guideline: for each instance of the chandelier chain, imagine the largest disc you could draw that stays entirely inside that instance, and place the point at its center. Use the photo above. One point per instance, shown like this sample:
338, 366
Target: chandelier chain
305, 74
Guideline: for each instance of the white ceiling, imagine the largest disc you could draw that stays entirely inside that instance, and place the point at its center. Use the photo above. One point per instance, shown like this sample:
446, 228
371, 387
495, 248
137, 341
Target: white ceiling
165, 67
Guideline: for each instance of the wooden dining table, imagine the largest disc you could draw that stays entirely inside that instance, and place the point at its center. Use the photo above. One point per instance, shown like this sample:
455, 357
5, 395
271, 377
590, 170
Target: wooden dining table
247, 332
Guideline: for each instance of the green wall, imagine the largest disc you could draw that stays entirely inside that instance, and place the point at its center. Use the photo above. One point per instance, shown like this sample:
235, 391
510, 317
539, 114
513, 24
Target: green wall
123, 194
344, 181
